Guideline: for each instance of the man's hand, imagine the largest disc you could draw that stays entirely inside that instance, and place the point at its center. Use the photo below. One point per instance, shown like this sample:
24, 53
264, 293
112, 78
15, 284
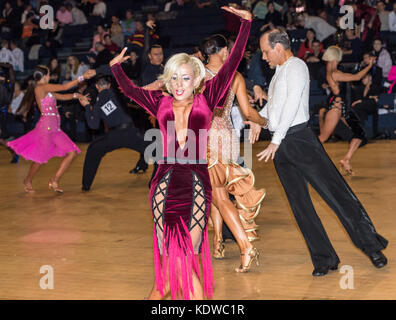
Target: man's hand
84, 100
151, 24
259, 94
120, 58
254, 132
268, 152
89, 74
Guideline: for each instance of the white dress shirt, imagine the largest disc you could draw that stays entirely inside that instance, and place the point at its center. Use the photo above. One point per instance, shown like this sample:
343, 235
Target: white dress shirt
6, 56
392, 21
288, 98
18, 60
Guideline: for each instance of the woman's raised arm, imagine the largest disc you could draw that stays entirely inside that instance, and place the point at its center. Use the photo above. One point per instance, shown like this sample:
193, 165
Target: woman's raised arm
217, 88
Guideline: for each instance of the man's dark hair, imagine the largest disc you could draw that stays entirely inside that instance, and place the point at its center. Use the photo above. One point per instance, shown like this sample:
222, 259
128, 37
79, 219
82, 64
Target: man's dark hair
155, 46
278, 36
102, 81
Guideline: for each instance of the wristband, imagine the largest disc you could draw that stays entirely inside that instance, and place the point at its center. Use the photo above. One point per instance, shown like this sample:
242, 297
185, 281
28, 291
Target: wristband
75, 95
80, 79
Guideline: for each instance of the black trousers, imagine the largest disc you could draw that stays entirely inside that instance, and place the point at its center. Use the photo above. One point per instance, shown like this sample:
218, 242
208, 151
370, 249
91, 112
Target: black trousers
301, 159
112, 140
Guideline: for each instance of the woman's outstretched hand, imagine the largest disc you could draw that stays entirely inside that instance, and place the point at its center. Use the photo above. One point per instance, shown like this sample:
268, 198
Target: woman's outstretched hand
244, 14
120, 58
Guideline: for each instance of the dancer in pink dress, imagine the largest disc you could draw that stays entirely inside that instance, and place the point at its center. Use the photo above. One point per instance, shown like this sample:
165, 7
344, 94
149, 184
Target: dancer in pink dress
47, 140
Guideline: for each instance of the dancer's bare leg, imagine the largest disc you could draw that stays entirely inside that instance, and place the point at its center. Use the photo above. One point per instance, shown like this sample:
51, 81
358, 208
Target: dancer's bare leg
156, 295
198, 289
345, 163
330, 122
217, 226
64, 165
29, 178
231, 217
321, 118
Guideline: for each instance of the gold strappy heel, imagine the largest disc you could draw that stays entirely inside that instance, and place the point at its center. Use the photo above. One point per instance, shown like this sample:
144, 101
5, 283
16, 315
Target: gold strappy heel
254, 255
54, 186
219, 253
28, 187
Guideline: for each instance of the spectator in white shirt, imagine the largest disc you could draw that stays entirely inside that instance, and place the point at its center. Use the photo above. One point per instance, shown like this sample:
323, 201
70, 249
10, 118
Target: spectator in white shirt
16, 100
383, 15
5, 53
322, 29
77, 14
18, 56
99, 9
392, 19
384, 59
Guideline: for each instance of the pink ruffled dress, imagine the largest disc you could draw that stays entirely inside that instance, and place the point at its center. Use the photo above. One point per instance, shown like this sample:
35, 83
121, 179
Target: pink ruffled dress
46, 140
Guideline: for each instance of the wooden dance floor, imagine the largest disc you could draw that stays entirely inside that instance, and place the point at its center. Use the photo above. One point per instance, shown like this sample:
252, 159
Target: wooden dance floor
99, 244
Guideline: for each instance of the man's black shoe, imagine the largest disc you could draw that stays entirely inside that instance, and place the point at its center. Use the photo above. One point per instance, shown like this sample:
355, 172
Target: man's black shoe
378, 259
321, 271
85, 189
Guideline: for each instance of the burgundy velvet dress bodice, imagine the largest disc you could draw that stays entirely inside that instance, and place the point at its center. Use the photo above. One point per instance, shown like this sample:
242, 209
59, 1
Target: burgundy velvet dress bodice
214, 95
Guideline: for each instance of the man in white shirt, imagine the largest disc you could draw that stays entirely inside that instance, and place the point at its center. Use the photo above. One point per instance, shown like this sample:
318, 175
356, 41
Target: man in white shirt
392, 19
99, 9
299, 158
18, 57
5, 53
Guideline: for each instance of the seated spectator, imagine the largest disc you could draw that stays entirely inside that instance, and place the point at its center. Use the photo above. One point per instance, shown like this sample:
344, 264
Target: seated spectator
54, 70
112, 47
332, 11
5, 53
136, 41
383, 15
85, 6
133, 66
116, 31
392, 19
54, 36
315, 64
98, 37
273, 17
365, 98
306, 46
16, 100
383, 57
323, 30
103, 57
64, 16
74, 68
78, 15
29, 36
18, 57
376, 71
128, 25
351, 46
99, 9
25, 13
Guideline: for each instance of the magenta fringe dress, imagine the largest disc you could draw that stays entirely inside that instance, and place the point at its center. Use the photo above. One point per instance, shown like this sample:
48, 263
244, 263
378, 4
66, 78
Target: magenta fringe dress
181, 192
46, 140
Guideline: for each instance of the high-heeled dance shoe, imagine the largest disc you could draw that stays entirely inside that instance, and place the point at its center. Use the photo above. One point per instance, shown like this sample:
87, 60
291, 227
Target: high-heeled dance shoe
52, 185
254, 255
347, 168
28, 187
139, 168
219, 252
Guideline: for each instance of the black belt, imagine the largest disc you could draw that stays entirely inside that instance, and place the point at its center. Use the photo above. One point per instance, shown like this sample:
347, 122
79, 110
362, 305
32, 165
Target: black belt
295, 129
122, 126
